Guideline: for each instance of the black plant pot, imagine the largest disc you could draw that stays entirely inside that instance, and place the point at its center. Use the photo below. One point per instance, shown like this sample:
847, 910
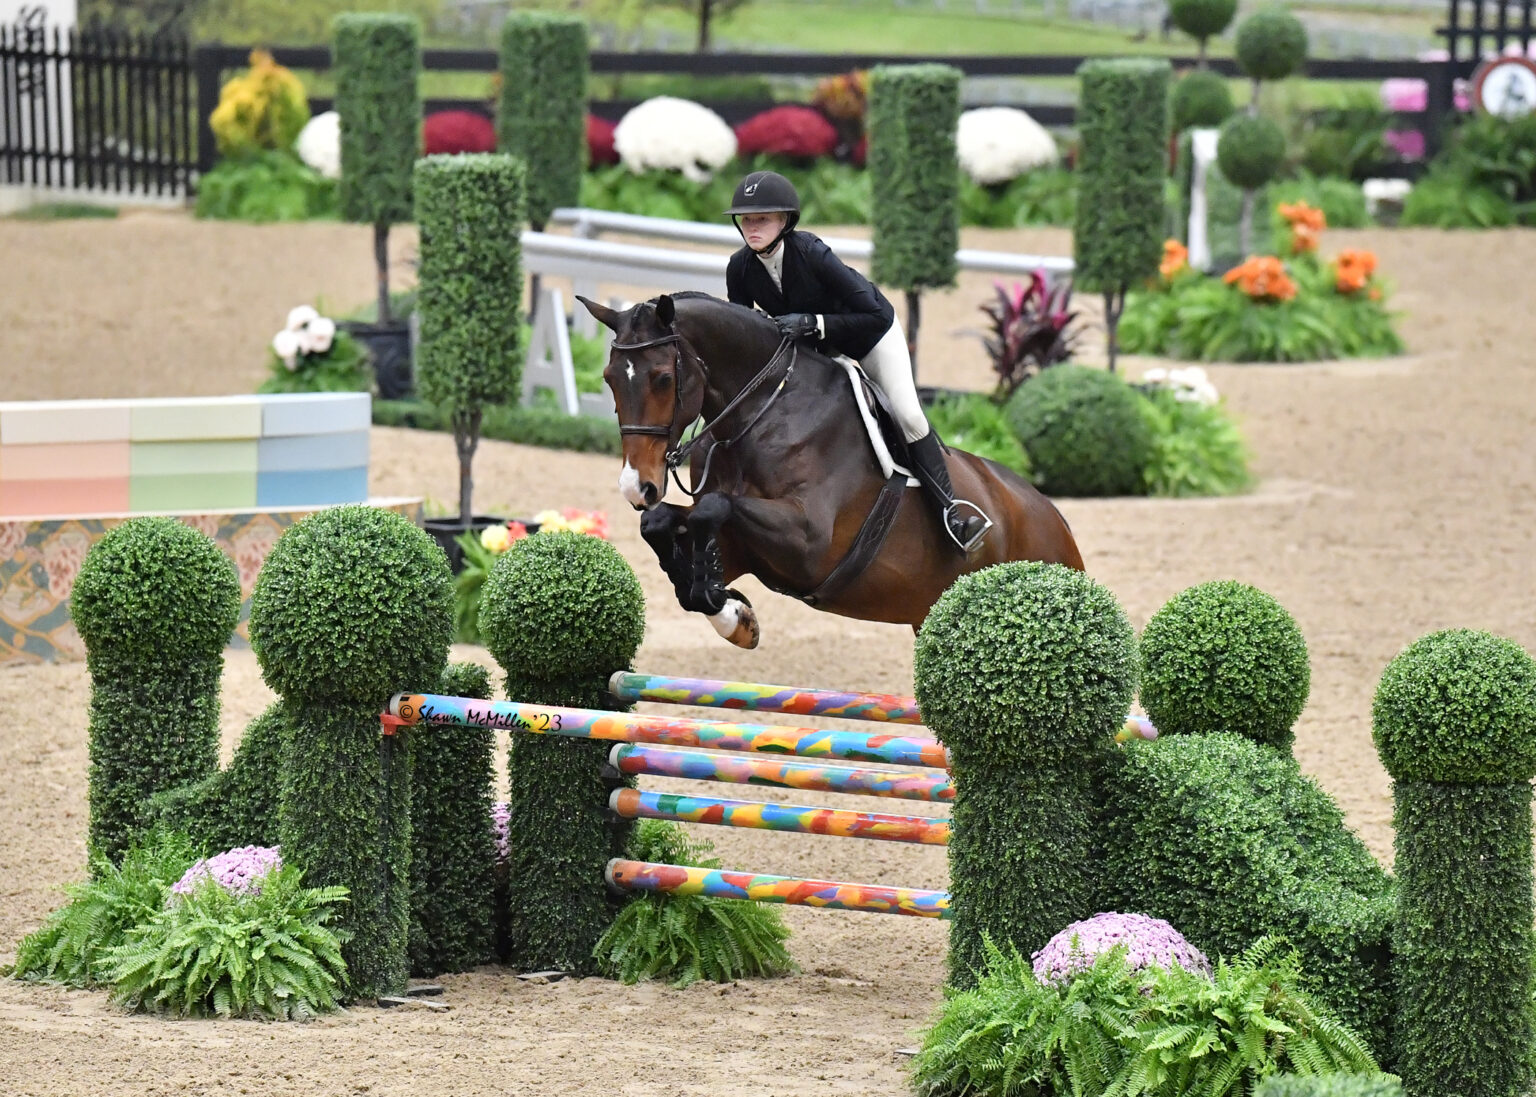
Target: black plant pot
389, 348
928, 395
445, 531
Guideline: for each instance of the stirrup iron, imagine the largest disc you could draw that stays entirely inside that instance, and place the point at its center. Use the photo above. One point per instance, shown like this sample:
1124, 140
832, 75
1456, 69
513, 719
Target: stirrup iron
974, 543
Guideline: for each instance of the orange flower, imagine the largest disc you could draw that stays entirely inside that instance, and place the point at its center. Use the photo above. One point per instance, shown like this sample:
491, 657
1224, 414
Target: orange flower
1299, 213
1303, 238
1263, 278
1353, 270
1175, 258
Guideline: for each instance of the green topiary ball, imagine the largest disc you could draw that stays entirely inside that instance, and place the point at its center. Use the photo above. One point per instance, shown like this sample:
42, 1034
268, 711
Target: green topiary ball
1201, 99
353, 604
1458, 707
1025, 661
155, 590
1202, 18
1225, 656
1271, 44
1250, 151
1084, 432
562, 606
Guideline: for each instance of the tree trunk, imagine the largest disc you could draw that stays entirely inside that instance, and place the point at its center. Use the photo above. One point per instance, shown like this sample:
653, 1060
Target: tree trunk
535, 285
706, 9
1200, 59
381, 261
1114, 305
914, 318
1253, 100
1245, 225
466, 437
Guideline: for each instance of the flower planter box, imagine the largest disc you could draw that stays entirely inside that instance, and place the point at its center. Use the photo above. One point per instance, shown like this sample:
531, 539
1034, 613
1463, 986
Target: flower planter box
446, 531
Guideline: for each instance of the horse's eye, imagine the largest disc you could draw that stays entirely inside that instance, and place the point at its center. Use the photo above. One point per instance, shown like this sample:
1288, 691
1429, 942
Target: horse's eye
661, 382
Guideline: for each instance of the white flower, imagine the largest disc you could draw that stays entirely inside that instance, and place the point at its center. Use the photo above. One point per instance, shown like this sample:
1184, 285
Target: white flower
298, 317
319, 144
1188, 385
674, 135
1384, 191
318, 335
996, 144
287, 345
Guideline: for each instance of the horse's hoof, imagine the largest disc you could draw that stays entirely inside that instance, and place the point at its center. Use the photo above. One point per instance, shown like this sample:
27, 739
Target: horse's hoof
737, 622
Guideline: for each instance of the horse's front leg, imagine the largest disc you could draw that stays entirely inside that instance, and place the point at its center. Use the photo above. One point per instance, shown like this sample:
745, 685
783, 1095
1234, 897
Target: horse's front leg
665, 529
729, 611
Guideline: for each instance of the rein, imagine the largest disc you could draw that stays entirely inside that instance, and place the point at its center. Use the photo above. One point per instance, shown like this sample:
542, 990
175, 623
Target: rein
679, 451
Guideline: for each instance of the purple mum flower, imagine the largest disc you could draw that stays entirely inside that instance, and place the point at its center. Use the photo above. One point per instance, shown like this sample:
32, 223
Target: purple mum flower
1149, 942
238, 871
501, 819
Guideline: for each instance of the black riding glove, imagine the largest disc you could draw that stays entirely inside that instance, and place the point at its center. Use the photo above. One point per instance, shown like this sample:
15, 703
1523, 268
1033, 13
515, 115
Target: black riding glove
796, 325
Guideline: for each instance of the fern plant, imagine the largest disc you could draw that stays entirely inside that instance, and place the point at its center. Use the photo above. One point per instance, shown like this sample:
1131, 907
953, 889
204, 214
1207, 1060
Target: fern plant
1116, 1032
690, 937
71, 946
271, 954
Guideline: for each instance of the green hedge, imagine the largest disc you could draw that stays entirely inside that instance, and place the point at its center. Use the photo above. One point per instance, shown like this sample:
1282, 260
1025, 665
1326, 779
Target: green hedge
155, 603
1025, 672
1084, 432
1229, 841
1453, 719
561, 612
238, 805
542, 112
352, 605
914, 174
377, 63
529, 426
453, 850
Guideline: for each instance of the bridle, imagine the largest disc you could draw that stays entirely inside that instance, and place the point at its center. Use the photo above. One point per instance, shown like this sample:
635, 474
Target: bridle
678, 450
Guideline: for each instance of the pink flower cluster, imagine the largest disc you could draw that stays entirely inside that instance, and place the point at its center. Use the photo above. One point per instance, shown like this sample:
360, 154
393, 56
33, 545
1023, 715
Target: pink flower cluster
238, 871
1150, 942
788, 130
501, 826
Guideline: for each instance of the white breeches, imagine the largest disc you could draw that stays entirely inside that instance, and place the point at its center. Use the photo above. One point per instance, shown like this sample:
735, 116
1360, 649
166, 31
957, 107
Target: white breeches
890, 366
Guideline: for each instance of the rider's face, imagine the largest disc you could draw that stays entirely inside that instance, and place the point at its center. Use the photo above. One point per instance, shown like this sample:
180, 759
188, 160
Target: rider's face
760, 228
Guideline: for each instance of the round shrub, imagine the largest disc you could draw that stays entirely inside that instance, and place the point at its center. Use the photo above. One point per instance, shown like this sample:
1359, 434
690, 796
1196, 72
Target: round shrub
1225, 657
353, 603
1458, 707
560, 606
1202, 18
1201, 99
787, 130
1250, 151
1271, 44
155, 590
1025, 662
1084, 432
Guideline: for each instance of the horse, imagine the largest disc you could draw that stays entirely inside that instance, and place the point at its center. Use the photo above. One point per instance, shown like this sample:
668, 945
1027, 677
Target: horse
786, 481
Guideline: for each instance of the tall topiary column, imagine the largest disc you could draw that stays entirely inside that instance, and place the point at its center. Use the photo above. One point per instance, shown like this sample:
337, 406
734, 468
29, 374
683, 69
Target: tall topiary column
914, 175
1271, 45
1455, 724
469, 209
453, 848
1122, 159
1025, 671
155, 603
377, 59
1202, 20
542, 112
353, 605
561, 612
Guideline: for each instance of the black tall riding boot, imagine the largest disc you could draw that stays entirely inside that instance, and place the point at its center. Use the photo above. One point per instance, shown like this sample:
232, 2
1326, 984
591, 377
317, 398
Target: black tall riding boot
963, 520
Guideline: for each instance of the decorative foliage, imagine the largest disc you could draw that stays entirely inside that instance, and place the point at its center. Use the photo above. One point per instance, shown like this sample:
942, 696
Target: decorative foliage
1250, 150
674, 135
1196, 448
1084, 432
797, 132
997, 144
540, 118
1044, 196
263, 187
1483, 179
310, 355
913, 114
972, 422
262, 108
686, 938
1146, 942
1202, 19
480, 553
377, 65
1329, 1085
451, 131
1031, 330
1271, 44
1116, 1030
239, 871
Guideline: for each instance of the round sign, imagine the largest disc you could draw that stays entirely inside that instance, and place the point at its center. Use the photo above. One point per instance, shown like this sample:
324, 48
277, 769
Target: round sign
1505, 86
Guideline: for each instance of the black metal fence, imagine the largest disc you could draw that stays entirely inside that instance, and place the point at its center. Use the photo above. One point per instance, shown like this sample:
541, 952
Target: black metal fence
97, 109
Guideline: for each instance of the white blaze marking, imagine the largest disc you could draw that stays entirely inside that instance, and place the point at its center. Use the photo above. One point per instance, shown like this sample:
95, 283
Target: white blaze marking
630, 372
629, 486
728, 618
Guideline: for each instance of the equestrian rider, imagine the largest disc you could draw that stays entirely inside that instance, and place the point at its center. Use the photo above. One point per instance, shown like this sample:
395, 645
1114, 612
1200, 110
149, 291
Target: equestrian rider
795, 278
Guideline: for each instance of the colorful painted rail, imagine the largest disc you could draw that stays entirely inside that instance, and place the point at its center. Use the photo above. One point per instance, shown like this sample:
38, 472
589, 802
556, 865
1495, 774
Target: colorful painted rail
630, 803
429, 708
885, 708
636, 759
683, 880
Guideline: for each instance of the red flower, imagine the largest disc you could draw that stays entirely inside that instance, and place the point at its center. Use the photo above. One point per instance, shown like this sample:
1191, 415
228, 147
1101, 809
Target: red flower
789, 130
600, 148
457, 131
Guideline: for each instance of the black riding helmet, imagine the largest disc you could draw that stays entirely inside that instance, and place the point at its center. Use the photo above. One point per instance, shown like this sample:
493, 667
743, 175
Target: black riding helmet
766, 192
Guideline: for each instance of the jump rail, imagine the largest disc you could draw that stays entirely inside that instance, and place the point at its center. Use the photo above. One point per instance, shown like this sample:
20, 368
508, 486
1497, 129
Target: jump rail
885, 708
682, 880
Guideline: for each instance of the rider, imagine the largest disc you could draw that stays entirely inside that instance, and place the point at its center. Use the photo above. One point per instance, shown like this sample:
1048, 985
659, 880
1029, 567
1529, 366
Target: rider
795, 278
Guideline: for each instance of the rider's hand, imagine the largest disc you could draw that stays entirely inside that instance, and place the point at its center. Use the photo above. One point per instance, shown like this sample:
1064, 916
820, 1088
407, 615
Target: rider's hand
796, 325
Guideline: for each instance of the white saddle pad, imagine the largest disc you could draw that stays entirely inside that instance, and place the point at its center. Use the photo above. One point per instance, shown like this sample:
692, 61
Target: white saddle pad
888, 465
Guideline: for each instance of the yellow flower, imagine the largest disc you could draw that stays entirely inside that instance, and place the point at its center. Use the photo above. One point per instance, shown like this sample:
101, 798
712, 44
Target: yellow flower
496, 539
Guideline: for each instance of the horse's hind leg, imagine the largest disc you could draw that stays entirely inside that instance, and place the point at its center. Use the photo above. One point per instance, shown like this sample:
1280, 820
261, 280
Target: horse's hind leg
728, 609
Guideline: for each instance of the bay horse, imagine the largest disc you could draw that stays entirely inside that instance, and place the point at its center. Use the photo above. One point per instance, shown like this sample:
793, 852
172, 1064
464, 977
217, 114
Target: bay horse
785, 477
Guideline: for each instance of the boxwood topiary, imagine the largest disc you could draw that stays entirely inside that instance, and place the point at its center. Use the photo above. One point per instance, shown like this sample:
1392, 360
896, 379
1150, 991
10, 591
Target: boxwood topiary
1202, 19
561, 612
1271, 44
453, 849
1225, 656
1250, 150
1084, 432
352, 605
1230, 842
1453, 719
541, 114
1200, 99
155, 602
1025, 672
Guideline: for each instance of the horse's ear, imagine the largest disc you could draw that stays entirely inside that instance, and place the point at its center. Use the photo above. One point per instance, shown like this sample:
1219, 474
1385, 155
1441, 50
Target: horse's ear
604, 315
666, 311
